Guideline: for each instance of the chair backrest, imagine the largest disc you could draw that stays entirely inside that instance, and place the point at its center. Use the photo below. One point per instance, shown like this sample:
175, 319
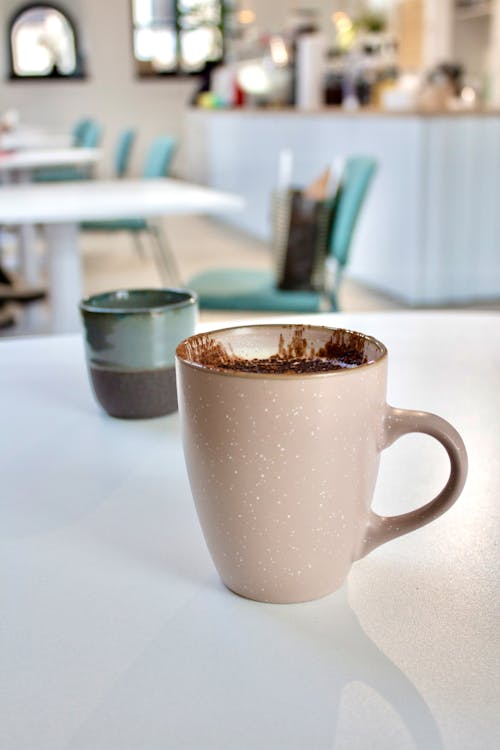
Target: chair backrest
159, 157
92, 135
122, 151
358, 173
79, 130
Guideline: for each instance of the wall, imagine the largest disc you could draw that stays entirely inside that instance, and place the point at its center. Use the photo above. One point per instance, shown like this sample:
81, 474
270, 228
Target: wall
111, 93
470, 46
117, 98
437, 32
270, 14
494, 53
408, 27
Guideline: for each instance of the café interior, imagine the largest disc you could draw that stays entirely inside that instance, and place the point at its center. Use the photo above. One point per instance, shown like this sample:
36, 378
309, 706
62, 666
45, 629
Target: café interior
255, 99
333, 163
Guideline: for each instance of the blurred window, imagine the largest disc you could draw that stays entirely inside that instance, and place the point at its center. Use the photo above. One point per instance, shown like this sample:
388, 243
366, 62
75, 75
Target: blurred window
43, 44
177, 37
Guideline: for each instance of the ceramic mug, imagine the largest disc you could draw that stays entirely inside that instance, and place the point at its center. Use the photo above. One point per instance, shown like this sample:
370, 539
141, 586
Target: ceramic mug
283, 467
130, 340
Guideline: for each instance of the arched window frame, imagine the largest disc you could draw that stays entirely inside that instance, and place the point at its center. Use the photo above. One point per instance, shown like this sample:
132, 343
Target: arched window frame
79, 72
149, 73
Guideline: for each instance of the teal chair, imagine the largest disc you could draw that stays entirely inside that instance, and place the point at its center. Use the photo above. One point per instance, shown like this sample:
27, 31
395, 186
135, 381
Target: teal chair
86, 134
159, 157
92, 135
157, 164
78, 131
248, 289
121, 157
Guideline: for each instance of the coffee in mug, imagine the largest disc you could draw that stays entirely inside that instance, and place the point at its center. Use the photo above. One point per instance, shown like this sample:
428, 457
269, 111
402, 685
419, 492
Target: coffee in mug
282, 429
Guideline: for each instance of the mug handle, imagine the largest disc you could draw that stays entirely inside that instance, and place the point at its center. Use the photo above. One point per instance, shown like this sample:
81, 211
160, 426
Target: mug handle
398, 422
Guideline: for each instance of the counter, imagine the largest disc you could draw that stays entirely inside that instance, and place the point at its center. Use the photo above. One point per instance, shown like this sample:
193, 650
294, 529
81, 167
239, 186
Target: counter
429, 233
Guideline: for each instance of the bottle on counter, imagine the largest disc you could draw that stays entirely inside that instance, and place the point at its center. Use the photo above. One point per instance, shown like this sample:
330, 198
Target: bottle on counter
310, 71
350, 99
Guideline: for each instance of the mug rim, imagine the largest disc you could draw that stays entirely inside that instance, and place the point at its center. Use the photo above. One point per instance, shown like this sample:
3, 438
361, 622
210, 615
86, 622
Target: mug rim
240, 373
190, 298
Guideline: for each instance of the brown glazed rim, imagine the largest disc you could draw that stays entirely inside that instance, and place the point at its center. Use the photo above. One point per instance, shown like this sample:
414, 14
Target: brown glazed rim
238, 373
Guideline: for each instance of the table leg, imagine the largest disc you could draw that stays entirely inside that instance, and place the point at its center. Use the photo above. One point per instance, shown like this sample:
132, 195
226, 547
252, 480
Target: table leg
30, 269
65, 282
27, 233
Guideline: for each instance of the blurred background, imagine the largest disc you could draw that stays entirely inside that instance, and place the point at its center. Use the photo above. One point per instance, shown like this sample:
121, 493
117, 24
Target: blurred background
386, 113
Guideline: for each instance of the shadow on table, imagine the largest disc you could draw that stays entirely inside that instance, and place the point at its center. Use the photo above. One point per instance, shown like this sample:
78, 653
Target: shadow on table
228, 673
332, 623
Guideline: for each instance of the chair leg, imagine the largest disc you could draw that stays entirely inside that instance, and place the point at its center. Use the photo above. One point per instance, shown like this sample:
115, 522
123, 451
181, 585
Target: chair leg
164, 256
4, 277
334, 293
139, 247
159, 260
326, 304
333, 277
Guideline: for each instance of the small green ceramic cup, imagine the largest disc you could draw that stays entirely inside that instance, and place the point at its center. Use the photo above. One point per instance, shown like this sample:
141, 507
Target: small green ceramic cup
130, 340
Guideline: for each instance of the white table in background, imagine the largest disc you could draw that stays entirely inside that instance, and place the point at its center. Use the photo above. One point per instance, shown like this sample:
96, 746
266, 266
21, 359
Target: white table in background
61, 207
18, 167
117, 633
34, 138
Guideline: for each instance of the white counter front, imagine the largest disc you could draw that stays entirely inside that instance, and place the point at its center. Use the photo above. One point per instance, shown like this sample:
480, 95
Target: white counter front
430, 230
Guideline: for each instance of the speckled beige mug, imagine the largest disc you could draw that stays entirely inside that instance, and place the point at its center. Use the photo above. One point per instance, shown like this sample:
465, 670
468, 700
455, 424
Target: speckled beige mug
283, 466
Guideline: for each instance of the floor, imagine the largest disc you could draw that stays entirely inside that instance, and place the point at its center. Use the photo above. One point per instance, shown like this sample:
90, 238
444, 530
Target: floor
112, 262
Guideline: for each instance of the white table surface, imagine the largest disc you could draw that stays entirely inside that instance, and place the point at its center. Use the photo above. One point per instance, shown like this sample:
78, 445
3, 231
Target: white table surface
117, 633
30, 159
89, 200
18, 168
26, 137
60, 207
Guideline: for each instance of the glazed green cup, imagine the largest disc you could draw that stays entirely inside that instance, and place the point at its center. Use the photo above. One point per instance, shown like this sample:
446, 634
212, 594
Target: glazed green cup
130, 341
